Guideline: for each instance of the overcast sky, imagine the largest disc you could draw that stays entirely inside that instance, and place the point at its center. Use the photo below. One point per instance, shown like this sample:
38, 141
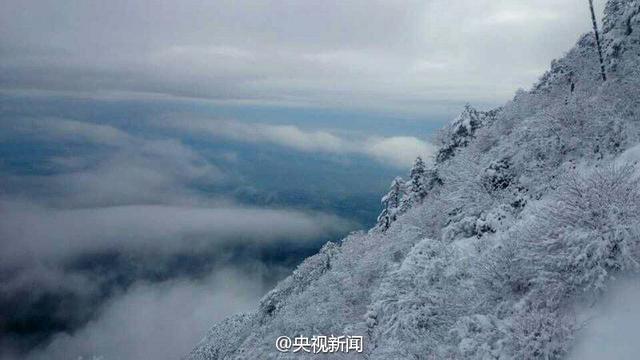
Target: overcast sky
399, 56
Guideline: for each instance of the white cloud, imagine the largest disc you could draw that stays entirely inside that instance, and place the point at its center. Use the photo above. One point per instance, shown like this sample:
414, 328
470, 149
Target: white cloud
285, 135
521, 16
132, 170
398, 151
157, 321
157, 171
59, 129
136, 195
33, 233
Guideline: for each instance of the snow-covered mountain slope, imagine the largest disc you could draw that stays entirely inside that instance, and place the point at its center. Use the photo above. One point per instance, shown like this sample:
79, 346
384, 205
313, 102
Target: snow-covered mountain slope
535, 208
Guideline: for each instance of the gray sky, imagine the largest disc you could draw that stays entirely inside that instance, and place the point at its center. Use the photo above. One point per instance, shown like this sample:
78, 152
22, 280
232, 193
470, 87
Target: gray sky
400, 56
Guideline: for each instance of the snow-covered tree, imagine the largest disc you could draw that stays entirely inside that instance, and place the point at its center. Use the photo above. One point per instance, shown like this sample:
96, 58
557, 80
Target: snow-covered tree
391, 203
416, 186
417, 179
459, 133
591, 228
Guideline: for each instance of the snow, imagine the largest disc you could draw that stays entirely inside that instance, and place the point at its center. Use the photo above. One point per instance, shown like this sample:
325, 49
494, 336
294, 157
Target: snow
630, 156
611, 331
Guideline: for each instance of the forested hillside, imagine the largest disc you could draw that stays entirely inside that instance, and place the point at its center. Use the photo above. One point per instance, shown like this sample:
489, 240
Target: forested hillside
488, 250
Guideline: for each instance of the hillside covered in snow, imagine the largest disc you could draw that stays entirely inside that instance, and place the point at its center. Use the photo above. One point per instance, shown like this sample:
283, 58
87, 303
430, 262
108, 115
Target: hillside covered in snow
493, 248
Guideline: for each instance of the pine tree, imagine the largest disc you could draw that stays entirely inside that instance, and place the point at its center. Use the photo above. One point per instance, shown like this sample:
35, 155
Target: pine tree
391, 203
416, 186
417, 178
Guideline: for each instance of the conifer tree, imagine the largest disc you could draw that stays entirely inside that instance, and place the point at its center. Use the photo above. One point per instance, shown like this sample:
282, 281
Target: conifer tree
417, 186
391, 203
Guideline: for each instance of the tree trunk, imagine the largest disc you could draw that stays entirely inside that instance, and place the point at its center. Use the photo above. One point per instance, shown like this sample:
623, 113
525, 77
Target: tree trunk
595, 30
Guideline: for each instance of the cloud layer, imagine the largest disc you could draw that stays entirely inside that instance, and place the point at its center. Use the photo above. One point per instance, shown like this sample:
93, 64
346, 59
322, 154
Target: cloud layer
405, 56
121, 230
35, 233
398, 151
157, 321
